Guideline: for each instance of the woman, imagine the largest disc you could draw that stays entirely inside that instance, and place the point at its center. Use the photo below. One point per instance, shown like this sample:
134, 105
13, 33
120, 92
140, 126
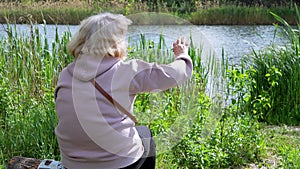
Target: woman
92, 133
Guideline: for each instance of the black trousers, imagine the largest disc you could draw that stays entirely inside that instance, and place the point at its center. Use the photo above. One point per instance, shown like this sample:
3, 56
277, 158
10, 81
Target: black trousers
147, 161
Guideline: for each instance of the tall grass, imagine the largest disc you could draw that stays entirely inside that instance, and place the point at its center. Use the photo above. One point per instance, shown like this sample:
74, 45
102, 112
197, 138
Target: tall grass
62, 15
241, 15
29, 68
275, 92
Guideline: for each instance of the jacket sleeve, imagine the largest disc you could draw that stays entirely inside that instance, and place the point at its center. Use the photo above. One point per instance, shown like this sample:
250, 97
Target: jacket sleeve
151, 77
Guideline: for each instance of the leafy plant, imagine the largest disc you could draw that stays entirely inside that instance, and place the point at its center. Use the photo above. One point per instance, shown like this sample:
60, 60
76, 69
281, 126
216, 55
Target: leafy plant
275, 79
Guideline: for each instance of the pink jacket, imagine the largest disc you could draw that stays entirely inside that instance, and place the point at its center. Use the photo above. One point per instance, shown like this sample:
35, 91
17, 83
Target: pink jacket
91, 132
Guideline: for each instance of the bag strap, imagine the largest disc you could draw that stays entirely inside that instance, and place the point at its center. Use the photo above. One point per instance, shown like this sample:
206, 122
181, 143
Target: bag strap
114, 102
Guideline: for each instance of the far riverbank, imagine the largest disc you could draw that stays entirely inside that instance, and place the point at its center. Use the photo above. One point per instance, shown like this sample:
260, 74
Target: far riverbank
71, 13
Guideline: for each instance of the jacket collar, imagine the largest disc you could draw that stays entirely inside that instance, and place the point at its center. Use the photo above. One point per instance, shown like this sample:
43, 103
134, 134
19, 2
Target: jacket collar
87, 67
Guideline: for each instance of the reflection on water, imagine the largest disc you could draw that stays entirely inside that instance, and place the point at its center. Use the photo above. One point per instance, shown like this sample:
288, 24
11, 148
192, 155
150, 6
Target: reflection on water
240, 40
235, 40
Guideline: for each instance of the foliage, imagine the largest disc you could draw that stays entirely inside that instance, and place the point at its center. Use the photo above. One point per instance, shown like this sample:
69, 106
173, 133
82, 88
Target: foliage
265, 3
241, 15
28, 74
179, 6
235, 141
275, 80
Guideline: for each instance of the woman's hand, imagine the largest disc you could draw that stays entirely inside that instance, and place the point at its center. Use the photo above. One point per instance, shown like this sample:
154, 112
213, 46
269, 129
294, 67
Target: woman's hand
181, 46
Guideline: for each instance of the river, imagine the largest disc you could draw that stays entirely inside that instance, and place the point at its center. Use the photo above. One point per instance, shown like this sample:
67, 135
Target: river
236, 41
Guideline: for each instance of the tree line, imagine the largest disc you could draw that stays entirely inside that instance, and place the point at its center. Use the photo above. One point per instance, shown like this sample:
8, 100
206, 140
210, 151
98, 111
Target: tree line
185, 6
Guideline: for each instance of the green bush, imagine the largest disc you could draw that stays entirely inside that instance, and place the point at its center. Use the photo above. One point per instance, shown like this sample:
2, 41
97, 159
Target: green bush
275, 92
235, 140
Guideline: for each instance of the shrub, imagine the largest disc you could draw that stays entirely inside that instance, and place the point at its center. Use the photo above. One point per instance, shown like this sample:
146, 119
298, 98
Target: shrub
275, 92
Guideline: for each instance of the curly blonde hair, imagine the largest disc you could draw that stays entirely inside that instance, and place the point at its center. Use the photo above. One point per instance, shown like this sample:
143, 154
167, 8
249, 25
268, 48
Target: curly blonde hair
101, 35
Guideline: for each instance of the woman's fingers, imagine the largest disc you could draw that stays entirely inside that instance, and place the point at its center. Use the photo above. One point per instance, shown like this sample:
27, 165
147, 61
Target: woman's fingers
182, 41
180, 46
178, 41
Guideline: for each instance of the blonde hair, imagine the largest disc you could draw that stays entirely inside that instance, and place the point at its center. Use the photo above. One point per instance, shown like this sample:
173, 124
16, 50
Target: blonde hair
101, 35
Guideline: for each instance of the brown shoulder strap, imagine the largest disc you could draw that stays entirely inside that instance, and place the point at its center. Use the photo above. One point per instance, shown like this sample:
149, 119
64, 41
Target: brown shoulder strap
114, 102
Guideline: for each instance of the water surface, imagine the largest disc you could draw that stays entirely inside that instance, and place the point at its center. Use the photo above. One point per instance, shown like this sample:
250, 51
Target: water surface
236, 41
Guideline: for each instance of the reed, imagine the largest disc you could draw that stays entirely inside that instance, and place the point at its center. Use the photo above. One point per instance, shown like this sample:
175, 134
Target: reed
275, 93
29, 69
241, 15
67, 16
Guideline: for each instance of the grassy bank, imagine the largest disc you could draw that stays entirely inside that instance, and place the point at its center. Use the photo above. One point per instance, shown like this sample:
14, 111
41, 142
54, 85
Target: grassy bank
72, 12
283, 147
239, 15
